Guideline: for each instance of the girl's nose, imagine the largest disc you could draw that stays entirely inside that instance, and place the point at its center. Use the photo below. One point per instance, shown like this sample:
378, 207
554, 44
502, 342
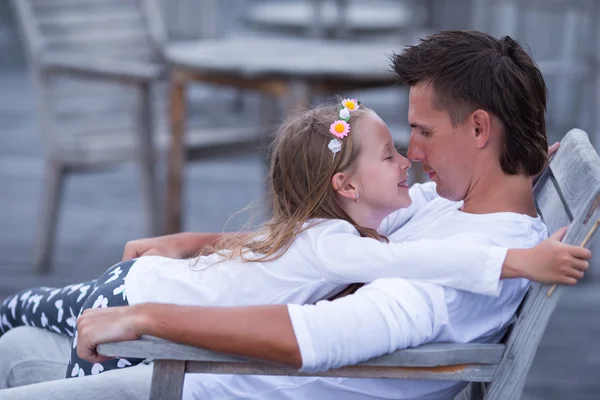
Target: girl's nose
405, 163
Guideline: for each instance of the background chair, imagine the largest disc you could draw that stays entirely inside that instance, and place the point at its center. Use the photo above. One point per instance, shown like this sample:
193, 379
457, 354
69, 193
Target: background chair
98, 71
92, 65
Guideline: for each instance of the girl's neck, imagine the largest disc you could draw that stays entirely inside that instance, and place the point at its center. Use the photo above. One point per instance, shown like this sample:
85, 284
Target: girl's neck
365, 217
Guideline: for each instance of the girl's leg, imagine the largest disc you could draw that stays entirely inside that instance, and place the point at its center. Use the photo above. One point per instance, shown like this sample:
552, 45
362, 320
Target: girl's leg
53, 309
108, 292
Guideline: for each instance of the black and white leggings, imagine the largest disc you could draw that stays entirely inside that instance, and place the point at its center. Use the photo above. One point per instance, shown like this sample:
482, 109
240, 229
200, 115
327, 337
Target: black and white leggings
57, 309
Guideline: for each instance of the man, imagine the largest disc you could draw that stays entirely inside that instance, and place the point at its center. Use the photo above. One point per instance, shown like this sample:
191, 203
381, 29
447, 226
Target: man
476, 109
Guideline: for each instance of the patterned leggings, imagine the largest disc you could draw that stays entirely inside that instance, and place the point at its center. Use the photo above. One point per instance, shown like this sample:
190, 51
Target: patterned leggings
57, 310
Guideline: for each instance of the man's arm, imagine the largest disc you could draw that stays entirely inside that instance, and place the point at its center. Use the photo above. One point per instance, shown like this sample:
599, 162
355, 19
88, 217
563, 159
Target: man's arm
262, 332
382, 317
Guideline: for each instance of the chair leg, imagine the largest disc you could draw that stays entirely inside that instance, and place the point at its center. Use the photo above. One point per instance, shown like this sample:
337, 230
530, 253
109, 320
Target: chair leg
177, 154
167, 380
147, 158
53, 188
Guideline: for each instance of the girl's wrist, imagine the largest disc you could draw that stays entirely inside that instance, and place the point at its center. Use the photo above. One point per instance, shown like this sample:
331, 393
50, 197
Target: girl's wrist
513, 264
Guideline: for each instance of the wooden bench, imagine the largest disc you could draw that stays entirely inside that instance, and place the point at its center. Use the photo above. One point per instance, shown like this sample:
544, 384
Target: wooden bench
568, 192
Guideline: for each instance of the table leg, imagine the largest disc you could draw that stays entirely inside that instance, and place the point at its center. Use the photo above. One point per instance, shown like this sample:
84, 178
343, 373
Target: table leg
176, 154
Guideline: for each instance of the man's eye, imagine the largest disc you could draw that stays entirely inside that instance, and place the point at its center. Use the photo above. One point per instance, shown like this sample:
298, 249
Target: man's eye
425, 133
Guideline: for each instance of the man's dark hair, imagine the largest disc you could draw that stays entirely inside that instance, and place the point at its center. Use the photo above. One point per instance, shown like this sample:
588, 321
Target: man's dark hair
471, 70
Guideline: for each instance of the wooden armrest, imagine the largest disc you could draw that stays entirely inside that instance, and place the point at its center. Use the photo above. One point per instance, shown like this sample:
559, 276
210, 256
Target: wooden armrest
101, 68
467, 362
428, 355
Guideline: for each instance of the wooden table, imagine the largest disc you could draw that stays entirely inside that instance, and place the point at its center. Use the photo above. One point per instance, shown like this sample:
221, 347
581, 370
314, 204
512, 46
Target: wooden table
276, 67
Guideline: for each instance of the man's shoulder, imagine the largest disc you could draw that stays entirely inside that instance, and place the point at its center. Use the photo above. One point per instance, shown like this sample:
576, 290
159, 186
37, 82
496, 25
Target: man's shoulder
504, 229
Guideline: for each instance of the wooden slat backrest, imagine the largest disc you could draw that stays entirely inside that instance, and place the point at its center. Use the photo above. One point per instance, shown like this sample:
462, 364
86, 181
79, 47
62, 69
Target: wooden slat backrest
567, 192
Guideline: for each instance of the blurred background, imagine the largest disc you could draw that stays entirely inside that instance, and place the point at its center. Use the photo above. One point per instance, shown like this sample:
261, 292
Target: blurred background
89, 159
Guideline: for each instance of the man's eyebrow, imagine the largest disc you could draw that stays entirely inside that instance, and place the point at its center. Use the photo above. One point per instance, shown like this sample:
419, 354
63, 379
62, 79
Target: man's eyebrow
420, 126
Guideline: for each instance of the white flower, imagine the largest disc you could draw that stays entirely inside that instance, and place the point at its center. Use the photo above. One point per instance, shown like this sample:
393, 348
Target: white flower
52, 294
344, 113
122, 363
97, 368
350, 104
58, 304
72, 320
120, 289
44, 320
74, 288
75, 370
83, 293
35, 299
101, 302
12, 306
115, 274
335, 146
5, 322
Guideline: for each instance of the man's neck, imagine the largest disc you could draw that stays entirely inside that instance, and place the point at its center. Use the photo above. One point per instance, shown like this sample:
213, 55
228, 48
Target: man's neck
504, 193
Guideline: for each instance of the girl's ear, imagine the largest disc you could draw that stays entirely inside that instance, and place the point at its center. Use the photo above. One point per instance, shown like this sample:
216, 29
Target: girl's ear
343, 186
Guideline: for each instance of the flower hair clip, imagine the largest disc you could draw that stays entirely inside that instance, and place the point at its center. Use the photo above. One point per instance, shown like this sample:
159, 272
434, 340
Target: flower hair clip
340, 128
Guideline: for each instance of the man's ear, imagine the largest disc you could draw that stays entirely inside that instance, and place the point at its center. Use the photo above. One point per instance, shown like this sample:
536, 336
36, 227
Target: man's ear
343, 186
481, 122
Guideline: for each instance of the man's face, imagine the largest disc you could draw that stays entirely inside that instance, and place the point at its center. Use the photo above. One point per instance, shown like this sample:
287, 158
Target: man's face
445, 152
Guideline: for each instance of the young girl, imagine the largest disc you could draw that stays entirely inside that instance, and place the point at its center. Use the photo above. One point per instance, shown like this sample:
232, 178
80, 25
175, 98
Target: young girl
334, 177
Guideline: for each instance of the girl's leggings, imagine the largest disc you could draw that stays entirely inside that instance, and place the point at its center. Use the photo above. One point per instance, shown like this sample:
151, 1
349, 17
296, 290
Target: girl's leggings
57, 310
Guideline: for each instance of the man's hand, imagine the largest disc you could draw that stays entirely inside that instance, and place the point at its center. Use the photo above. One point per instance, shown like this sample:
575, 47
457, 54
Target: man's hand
551, 261
104, 325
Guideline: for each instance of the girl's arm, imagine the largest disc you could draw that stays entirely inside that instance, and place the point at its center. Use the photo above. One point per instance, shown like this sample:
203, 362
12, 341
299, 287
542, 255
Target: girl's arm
178, 245
467, 261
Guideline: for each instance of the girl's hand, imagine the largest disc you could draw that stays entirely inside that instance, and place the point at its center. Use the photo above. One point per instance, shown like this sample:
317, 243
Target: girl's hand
551, 261
104, 325
165, 246
177, 245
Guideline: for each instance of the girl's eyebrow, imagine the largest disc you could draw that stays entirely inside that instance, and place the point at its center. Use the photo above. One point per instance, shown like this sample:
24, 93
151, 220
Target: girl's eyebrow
386, 147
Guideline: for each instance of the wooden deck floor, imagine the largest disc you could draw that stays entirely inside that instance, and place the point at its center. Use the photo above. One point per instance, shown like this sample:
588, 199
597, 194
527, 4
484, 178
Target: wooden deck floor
101, 212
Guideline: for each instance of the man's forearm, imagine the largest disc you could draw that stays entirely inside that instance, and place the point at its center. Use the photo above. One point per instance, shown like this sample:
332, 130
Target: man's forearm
263, 332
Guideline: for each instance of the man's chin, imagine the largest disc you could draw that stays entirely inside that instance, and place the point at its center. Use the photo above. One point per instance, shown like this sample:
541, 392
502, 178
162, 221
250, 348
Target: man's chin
442, 191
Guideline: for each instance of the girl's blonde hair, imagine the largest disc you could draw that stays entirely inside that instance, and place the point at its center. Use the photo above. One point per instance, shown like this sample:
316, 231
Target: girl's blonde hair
301, 168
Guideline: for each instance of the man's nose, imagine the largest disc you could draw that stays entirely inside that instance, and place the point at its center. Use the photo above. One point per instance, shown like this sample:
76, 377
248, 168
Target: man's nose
414, 153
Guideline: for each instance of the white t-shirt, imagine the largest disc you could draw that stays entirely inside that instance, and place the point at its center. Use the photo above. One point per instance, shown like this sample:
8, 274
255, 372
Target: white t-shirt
391, 314
323, 260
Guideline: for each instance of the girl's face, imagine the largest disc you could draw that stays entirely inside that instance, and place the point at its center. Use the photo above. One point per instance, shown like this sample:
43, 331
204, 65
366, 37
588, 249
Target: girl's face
380, 173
